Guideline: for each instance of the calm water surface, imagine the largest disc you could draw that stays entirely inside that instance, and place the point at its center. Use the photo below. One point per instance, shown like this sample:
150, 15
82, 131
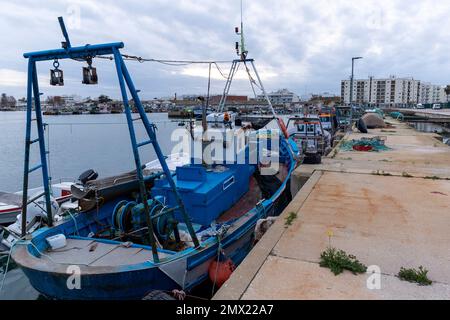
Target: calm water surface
76, 143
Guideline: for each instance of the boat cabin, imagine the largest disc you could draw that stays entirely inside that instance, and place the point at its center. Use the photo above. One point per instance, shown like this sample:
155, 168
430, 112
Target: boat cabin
309, 135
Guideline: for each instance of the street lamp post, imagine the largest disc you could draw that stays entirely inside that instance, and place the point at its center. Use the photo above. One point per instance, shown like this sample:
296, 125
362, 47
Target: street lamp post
352, 77
351, 89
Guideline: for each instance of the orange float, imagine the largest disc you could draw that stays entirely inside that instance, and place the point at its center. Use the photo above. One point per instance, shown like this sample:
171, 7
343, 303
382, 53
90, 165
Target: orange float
220, 270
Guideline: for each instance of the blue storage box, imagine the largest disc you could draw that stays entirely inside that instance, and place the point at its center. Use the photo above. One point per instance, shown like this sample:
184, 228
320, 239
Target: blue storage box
206, 194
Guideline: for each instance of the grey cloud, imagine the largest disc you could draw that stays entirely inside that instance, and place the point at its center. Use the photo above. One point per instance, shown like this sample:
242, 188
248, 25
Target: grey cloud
308, 44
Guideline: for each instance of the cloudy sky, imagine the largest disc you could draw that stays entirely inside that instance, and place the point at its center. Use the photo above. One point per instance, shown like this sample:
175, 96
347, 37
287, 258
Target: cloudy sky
305, 46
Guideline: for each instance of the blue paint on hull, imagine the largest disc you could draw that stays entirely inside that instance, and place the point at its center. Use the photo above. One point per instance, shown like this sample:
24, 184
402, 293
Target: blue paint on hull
135, 281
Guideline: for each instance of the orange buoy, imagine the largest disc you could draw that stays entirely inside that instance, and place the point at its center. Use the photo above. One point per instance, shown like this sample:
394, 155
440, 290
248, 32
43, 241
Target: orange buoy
220, 270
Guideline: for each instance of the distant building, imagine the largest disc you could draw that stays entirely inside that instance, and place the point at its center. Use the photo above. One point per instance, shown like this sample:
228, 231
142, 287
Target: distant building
325, 99
215, 100
430, 93
71, 100
191, 97
281, 97
392, 91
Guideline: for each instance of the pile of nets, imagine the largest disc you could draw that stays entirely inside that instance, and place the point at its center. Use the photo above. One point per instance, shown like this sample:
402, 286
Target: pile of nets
379, 112
365, 144
373, 120
397, 115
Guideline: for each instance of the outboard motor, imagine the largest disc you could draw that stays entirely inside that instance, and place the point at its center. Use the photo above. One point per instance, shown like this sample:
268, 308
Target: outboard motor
88, 175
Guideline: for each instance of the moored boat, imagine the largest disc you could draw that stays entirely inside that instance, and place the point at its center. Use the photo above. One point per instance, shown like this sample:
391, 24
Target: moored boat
11, 203
113, 256
165, 235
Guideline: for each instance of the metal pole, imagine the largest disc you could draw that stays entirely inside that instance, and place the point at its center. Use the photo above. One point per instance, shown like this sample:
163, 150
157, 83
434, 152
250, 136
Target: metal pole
263, 90
152, 135
42, 150
118, 62
351, 91
64, 32
27, 146
226, 90
351, 81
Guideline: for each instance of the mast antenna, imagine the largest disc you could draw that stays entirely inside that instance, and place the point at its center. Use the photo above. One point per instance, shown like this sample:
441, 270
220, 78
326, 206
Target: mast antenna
243, 51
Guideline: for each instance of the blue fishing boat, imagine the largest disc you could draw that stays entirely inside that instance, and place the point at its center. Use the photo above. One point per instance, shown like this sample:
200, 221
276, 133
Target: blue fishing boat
162, 237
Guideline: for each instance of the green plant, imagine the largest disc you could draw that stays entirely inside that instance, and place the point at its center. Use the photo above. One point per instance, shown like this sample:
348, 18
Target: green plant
338, 261
290, 218
414, 275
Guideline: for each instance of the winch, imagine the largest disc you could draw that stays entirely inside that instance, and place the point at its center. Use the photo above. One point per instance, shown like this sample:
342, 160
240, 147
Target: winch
129, 218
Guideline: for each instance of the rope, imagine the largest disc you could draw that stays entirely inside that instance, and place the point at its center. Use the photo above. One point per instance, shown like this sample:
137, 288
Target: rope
164, 61
250, 78
48, 158
219, 250
220, 233
6, 267
74, 221
220, 70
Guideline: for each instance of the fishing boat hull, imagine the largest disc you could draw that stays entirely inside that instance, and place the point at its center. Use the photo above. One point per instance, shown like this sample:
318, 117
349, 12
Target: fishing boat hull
124, 283
103, 277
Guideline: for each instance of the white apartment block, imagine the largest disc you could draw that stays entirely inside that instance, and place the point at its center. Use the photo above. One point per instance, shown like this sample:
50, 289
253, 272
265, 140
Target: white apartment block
280, 97
432, 94
392, 91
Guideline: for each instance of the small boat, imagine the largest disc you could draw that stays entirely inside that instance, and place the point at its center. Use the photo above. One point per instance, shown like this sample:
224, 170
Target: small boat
310, 136
84, 195
11, 203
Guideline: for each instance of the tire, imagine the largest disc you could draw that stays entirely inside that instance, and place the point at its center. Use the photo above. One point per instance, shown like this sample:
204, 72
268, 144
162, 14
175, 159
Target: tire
313, 159
318, 158
158, 295
361, 126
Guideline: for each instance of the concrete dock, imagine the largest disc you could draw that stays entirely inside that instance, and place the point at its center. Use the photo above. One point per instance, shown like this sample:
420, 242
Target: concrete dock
390, 209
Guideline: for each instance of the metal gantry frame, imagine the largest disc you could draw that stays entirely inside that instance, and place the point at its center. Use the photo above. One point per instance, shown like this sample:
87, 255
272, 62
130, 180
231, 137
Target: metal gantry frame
231, 74
125, 82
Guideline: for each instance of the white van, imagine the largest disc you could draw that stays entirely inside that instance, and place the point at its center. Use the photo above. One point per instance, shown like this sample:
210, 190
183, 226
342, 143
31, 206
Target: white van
419, 106
436, 106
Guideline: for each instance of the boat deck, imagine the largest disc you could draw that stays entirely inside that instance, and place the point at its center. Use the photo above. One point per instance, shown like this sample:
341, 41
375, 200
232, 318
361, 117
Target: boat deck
98, 254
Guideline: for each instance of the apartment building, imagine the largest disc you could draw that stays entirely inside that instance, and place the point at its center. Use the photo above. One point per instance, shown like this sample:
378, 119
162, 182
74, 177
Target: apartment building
281, 97
392, 91
432, 94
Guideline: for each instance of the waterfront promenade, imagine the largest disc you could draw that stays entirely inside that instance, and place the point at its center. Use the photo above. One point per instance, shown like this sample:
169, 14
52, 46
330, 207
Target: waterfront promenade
390, 209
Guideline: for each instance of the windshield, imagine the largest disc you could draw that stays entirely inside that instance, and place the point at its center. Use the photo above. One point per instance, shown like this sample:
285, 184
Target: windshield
300, 127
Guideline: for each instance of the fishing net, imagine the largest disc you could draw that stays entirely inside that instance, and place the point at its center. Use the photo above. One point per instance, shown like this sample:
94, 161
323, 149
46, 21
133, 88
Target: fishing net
373, 120
397, 115
375, 144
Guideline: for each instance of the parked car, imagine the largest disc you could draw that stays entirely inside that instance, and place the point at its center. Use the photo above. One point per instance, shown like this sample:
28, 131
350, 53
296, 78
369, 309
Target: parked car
436, 106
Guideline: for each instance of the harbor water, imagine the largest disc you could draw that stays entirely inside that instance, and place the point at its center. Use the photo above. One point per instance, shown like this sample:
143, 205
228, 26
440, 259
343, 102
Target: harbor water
76, 143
